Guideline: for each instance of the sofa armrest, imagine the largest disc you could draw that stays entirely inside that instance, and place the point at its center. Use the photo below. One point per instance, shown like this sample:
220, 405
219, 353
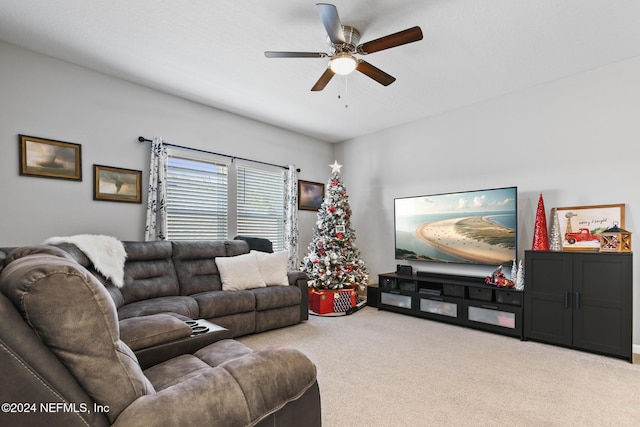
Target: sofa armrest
300, 279
297, 278
148, 331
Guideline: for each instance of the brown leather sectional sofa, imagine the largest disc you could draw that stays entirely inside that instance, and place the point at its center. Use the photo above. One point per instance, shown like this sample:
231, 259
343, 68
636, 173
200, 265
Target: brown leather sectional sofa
76, 350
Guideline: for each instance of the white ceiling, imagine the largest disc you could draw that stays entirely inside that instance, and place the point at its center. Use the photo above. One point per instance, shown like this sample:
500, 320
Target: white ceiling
212, 52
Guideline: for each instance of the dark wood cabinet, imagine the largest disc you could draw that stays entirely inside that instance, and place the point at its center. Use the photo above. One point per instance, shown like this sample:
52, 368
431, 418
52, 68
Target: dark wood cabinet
581, 300
461, 300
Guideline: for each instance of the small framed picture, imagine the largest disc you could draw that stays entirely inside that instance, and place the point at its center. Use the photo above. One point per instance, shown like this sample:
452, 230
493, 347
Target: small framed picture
580, 226
310, 195
117, 184
47, 158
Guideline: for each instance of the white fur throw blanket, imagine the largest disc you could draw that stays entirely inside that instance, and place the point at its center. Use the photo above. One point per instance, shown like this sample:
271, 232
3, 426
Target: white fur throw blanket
105, 252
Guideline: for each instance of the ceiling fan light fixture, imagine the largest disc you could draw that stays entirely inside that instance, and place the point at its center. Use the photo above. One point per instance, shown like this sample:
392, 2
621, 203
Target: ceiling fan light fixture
343, 64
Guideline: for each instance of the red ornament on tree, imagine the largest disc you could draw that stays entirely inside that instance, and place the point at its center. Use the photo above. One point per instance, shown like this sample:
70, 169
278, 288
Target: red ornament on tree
540, 236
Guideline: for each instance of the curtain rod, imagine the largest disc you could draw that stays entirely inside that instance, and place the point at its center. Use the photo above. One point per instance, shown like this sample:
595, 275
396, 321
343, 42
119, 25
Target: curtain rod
143, 139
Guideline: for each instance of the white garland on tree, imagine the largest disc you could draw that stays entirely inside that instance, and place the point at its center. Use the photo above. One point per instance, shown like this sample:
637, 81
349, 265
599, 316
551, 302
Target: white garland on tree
333, 260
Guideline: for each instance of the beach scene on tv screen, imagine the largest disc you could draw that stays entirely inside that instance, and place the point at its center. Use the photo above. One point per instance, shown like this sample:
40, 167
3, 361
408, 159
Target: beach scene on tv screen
477, 227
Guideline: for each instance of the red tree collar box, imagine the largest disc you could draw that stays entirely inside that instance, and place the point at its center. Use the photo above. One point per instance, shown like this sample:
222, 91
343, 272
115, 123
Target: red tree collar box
323, 301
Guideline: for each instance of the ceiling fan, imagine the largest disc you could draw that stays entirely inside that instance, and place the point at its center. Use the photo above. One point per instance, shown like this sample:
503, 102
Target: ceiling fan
343, 46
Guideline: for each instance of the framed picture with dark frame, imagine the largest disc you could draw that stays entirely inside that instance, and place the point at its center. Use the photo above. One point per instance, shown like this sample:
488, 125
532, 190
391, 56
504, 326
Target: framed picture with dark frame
117, 184
47, 158
580, 226
310, 195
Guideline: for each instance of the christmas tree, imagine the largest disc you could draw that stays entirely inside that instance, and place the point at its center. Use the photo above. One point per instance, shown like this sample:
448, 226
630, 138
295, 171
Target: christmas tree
333, 260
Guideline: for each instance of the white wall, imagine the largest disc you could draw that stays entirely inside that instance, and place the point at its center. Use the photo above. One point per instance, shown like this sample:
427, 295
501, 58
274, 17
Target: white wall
44, 97
574, 140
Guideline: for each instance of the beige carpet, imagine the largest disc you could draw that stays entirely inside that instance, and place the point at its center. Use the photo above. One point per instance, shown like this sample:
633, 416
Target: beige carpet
377, 368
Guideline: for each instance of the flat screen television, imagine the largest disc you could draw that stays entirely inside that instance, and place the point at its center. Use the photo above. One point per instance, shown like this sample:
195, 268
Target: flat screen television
471, 227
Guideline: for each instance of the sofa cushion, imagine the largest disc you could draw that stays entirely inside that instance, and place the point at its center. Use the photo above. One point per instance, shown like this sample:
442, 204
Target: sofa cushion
238, 324
277, 318
239, 272
74, 316
147, 331
241, 388
273, 267
196, 267
216, 304
185, 306
248, 385
289, 371
276, 297
236, 247
149, 271
223, 352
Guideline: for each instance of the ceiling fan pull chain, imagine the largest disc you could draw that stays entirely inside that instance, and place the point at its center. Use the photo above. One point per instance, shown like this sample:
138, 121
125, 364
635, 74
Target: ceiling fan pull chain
346, 91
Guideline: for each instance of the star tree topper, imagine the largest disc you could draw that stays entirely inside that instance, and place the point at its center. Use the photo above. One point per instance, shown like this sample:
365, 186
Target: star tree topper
335, 167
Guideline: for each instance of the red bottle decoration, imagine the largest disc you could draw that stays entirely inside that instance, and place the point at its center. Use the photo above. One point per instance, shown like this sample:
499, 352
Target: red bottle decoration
540, 236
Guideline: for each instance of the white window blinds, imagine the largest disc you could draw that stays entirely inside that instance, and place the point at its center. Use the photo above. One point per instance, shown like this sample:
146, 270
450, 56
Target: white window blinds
196, 199
260, 203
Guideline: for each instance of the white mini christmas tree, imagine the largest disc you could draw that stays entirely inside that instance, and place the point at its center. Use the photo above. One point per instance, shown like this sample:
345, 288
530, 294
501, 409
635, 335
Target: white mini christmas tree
333, 260
514, 271
555, 237
520, 277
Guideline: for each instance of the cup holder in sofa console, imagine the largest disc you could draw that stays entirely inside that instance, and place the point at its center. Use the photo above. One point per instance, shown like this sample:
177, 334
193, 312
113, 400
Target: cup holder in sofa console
197, 330
201, 326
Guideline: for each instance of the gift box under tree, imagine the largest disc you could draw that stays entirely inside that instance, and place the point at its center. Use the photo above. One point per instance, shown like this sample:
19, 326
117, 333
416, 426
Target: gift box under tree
323, 301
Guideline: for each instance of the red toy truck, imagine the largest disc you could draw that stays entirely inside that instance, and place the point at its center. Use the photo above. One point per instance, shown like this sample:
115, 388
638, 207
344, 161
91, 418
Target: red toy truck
582, 235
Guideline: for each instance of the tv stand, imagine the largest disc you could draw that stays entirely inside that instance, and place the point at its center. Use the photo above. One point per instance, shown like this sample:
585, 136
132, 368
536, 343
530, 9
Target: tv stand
461, 300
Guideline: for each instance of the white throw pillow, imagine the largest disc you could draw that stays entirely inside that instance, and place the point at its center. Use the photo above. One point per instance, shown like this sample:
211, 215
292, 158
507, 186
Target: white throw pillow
273, 267
239, 272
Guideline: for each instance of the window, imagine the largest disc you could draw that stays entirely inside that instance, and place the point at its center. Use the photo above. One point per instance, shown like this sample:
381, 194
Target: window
196, 199
209, 198
261, 203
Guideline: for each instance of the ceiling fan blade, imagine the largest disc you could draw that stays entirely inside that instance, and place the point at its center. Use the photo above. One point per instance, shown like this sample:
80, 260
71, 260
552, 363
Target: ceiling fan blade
323, 80
375, 73
277, 54
331, 22
409, 35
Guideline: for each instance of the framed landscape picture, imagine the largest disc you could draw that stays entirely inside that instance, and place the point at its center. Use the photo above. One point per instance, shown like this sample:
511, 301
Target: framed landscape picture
48, 158
117, 184
310, 195
580, 226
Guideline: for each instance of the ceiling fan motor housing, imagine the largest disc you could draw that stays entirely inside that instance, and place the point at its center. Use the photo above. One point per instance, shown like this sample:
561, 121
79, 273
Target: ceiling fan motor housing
351, 37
